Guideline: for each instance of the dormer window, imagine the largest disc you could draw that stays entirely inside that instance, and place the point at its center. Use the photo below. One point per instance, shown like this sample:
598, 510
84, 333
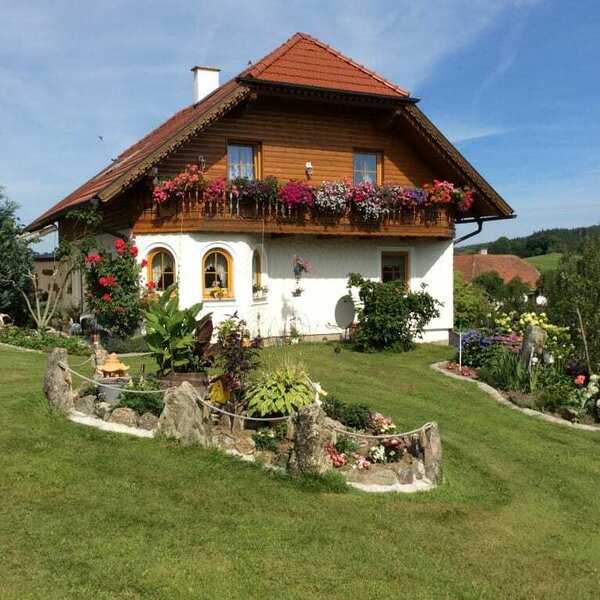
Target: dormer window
367, 167
243, 160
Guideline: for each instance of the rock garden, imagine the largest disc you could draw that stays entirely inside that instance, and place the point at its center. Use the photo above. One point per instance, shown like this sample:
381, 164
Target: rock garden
223, 394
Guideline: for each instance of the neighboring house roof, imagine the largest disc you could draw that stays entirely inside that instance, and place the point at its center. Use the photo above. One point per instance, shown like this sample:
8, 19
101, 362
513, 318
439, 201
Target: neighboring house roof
303, 62
507, 266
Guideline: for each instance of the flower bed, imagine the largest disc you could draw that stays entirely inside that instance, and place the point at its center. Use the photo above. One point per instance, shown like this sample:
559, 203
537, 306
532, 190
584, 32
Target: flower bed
45, 341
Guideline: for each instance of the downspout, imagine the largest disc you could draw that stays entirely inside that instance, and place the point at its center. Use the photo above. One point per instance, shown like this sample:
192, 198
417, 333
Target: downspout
479, 222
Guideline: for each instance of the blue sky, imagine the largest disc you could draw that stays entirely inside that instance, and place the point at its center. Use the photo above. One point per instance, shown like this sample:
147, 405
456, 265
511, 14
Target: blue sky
513, 83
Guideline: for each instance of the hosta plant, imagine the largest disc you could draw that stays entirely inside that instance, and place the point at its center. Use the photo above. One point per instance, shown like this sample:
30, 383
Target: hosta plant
281, 391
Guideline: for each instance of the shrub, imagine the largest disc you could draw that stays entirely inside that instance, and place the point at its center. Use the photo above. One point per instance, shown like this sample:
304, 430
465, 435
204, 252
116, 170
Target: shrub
472, 309
136, 343
390, 316
350, 415
142, 403
45, 341
282, 391
238, 357
113, 284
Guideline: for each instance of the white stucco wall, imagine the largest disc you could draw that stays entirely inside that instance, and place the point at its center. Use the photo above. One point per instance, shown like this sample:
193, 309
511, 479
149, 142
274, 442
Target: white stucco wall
430, 262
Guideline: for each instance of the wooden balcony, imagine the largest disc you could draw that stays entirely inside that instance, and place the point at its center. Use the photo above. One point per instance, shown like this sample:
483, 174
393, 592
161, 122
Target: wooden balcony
196, 214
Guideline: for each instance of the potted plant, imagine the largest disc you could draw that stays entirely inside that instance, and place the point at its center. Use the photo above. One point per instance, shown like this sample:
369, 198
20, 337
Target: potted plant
173, 335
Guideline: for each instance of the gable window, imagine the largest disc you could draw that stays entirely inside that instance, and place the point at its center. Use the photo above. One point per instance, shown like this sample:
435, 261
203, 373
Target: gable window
243, 160
367, 167
161, 269
394, 267
217, 278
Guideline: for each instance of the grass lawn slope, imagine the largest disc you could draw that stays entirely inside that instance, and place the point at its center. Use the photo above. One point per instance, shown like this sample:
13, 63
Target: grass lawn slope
89, 514
545, 262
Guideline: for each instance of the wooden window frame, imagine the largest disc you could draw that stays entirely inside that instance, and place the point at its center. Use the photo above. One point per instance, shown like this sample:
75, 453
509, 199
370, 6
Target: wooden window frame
406, 257
256, 155
206, 293
150, 260
379, 158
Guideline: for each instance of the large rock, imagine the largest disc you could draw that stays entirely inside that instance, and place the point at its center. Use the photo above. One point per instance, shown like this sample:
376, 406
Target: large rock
148, 421
431, 443
309, 455
85, 404
124, 416
534, 340
183, 419
103, 410
58, 386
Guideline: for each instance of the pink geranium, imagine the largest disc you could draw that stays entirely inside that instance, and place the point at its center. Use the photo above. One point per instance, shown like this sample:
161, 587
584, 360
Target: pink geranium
296, 194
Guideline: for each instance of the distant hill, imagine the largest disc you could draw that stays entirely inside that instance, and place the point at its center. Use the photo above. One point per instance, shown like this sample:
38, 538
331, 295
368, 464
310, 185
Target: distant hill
547, 241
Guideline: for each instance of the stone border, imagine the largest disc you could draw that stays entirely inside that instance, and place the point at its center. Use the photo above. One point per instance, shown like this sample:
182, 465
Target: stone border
496, 395
83, 419
409, 488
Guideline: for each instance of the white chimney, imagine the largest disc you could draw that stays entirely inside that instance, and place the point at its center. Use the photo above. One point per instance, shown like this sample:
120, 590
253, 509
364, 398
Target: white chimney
206, 81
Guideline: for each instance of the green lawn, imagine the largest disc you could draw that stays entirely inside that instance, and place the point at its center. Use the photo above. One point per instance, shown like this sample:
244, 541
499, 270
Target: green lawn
88, 514
545, 262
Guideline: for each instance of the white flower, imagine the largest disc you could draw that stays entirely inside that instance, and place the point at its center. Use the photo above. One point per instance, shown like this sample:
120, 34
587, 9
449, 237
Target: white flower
594, 378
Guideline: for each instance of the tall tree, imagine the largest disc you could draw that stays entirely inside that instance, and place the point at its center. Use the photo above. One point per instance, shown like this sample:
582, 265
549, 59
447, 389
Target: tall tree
16, 263
575, 286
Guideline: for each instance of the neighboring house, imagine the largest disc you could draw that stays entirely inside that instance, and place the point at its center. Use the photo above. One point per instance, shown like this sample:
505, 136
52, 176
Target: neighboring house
44, 266
507, 266
303, 112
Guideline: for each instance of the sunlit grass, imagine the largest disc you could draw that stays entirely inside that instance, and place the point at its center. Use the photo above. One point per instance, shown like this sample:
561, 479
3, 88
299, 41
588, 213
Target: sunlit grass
89, 514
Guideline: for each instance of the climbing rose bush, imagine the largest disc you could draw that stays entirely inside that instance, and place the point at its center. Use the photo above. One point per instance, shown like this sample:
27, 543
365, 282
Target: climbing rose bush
113, 288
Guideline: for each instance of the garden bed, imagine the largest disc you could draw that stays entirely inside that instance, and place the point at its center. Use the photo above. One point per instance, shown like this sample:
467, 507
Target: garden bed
451, 369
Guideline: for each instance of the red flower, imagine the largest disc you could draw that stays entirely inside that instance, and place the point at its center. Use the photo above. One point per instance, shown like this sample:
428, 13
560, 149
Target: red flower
580, 380
106, 298
121, 246
103, 281
152, 284
121, 309
133, 250
93, 258
144, 262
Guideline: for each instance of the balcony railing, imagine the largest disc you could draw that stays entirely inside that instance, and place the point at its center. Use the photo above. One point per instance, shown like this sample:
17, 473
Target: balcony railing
194, 213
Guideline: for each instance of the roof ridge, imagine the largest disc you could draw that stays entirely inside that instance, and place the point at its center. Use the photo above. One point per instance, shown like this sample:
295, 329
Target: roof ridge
266, 61
352, 62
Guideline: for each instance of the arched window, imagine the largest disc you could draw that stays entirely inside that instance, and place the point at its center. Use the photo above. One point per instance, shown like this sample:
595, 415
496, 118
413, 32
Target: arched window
217, 273
161, 269
256, 273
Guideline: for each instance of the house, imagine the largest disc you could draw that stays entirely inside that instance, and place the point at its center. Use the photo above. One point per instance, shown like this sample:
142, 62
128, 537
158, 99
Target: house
507, 266
309, 114
44, 268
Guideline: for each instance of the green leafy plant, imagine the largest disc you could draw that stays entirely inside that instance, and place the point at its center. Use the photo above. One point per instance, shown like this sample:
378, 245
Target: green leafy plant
170, 332
390, 316
355, 416
238, 357
45, 341
282, 391
346, 445
142, 403
267, 438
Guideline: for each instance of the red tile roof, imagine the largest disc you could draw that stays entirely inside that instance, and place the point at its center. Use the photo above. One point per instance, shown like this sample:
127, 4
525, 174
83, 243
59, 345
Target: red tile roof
507, 266
305, 60
302, 60
136, 153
